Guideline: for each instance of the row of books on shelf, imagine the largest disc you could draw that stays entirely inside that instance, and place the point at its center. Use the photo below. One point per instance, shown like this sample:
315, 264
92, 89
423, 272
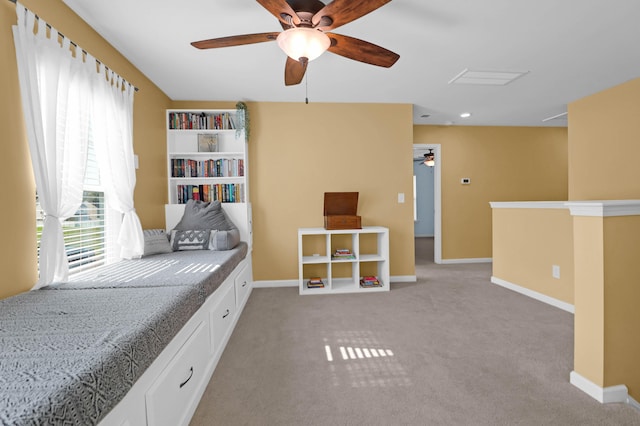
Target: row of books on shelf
343, 254
221, 167
198, 121
223, 192
365, 282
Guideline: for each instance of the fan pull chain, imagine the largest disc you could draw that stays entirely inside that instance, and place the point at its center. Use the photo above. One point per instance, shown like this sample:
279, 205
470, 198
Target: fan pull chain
306, 88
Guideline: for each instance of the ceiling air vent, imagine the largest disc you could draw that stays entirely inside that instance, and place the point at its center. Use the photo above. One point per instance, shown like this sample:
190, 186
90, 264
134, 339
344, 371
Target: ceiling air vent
486, 78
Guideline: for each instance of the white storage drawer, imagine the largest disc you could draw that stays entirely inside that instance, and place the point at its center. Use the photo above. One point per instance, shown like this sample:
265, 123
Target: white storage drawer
243, 284
222, 317
172, 398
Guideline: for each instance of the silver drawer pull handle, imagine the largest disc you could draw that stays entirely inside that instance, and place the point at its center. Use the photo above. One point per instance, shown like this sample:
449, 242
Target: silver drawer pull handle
188, 378
226, 314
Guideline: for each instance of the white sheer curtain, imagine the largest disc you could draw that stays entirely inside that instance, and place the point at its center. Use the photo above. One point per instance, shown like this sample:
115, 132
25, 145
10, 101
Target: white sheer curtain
56, 98
113, 139
66, 100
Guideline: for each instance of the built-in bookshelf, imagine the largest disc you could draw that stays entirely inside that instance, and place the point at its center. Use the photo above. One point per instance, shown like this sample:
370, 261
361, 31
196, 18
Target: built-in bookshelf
206, 156
344, 260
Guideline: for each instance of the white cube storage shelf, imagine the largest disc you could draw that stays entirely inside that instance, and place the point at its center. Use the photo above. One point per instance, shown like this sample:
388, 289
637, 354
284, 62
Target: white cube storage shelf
369, 248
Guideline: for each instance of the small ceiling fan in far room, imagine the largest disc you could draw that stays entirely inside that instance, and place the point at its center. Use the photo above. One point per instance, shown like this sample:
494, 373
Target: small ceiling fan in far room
305, 36
428, 160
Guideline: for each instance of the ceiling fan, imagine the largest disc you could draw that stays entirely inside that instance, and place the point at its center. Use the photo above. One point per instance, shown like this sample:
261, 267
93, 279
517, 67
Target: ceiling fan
306, 24
428, 160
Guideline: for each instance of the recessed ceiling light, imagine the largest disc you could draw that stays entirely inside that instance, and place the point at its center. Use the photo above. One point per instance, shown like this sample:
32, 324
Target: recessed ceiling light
465, 115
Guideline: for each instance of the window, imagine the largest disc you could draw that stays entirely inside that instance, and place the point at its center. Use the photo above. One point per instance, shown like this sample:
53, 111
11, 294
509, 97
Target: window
85, 233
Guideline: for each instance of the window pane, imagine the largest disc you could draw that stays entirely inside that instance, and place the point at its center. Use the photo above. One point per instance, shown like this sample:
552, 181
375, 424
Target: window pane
84, 233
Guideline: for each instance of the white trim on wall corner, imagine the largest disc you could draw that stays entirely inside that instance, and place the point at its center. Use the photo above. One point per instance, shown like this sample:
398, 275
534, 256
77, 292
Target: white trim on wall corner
618, 393
534, 295
466, 260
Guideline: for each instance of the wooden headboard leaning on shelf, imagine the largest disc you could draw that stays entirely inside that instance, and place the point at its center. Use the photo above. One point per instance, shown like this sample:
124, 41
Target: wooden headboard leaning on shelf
238, 213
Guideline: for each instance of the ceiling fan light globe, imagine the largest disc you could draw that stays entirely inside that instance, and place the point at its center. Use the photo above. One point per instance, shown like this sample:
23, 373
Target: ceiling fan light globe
303, 43
429, 162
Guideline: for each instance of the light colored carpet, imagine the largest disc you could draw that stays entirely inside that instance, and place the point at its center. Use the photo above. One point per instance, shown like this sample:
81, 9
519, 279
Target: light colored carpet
461, 351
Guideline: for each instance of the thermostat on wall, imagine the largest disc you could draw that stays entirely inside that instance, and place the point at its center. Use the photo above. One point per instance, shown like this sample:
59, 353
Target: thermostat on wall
465, 181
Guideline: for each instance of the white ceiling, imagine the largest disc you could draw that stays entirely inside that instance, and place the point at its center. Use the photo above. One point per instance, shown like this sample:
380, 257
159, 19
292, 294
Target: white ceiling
569, 49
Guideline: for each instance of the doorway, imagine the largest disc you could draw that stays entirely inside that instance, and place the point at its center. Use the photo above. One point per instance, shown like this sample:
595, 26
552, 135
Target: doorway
427, 203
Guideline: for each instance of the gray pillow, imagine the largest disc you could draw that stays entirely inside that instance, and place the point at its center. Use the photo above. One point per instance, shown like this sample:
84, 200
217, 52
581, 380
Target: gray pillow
191, 239
155, 241
225, 240
200, 215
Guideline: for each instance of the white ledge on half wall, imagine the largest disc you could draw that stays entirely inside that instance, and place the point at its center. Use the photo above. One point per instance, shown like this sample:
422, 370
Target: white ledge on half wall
528, 204
605, 208
594, 208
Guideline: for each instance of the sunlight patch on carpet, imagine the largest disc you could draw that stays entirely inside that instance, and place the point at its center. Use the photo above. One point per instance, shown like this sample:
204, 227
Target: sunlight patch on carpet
363, 361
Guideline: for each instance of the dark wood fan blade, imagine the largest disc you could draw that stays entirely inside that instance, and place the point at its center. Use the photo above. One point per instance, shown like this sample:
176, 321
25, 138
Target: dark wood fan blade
294, 71
279, 7
342, 12
235, 40
362, 51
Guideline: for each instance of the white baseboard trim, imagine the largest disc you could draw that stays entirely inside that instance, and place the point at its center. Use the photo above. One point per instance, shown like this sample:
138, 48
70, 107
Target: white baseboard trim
632, 402
403, 279
534, 295
618, 393
467, 260
278, 283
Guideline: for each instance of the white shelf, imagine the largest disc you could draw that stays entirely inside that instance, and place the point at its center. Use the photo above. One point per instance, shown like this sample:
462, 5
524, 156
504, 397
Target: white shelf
315, 259
182, 152
369, 246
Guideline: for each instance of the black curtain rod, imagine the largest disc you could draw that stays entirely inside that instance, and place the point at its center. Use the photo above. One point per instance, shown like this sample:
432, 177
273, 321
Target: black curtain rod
76, 46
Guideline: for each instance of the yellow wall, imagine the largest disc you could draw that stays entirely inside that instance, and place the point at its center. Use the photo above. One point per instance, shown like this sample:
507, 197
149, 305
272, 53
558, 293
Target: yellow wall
17, 193
301, 151
589, 298
621, 302
607, 317
18, 258
527, 243
504, 164
603, 144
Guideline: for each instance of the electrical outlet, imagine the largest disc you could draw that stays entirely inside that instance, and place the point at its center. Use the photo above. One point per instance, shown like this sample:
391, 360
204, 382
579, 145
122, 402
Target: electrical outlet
555, 271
